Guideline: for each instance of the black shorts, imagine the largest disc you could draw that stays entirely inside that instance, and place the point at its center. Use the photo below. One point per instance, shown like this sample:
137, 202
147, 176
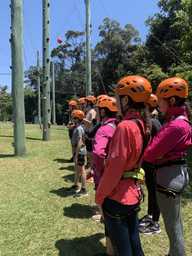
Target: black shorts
81, 160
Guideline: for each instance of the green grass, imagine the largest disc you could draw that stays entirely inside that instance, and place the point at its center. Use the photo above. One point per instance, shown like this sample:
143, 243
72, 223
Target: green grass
37, 216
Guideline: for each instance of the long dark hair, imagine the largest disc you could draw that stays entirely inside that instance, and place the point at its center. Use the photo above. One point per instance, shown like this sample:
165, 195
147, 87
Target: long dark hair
109, 113
141, 107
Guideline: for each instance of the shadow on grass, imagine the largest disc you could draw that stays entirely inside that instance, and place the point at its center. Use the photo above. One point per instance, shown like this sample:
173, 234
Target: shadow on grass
30, 138
79, 211
62, 161
82, 246
6, 155
69, 178
68, 168
6, 136
62, 192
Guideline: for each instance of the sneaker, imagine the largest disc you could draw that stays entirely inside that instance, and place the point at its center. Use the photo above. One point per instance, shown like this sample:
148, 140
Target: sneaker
96, 217
81, 193
71, 160
145, 221
73, 188
151, 229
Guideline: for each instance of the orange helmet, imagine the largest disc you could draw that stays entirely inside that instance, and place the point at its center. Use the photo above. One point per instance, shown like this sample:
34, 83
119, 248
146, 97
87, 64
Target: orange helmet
72, 103
102, 96
78, 114
107, 102
174, 86
91, 99
152, 101
136, 87
82, 101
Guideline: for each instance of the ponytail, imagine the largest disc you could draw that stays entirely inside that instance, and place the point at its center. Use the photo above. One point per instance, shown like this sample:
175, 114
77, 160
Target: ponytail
147, 122
188, 110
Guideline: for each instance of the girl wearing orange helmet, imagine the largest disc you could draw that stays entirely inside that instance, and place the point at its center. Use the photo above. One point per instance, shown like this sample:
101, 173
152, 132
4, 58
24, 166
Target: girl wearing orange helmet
168, 152
107, 110
149, 224
72, 104
119, 192
82, 103
79, 152
90, 110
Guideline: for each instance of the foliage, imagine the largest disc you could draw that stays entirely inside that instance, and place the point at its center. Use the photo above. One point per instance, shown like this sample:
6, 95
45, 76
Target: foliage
115, 51
183, 22
5, 104
31, 106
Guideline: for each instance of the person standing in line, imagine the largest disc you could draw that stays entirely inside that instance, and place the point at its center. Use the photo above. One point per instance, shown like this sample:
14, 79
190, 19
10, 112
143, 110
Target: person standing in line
80, 154
119, 192
107, 110
149, 224
168, 151
71, 126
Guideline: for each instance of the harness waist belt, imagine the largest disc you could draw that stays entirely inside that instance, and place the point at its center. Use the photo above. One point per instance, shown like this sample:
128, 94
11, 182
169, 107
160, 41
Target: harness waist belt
137, 174
172, 162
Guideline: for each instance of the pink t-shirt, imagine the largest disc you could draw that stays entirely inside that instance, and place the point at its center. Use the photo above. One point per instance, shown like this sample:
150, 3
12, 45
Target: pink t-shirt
101, 146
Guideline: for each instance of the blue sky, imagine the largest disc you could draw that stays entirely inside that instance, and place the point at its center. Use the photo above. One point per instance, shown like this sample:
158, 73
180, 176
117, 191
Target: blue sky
67, 15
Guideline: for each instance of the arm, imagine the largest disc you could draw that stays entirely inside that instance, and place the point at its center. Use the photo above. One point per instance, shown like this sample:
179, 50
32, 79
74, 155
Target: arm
163, 142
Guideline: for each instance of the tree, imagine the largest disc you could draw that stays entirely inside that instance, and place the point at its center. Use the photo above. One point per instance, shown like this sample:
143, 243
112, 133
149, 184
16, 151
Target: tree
115, 50
183, 23
154, 74
6, 104
31, 106
70, 66
163, 40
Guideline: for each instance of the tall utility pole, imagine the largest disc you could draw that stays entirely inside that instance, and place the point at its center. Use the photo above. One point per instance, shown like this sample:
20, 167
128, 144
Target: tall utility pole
88, 48
53, 93
17, 76
39, 89
46, 71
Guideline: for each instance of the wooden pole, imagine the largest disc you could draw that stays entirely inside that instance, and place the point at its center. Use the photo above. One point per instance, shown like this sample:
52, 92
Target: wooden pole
18, 76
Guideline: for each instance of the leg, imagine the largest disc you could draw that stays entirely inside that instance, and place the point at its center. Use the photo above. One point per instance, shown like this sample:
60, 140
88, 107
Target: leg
149, 180
119, 235
83, 177
171, 212
133, 224
77, 175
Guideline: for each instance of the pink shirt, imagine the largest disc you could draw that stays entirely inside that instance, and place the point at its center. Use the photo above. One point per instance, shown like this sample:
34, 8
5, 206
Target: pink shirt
103, 137
173, 140
101, 146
